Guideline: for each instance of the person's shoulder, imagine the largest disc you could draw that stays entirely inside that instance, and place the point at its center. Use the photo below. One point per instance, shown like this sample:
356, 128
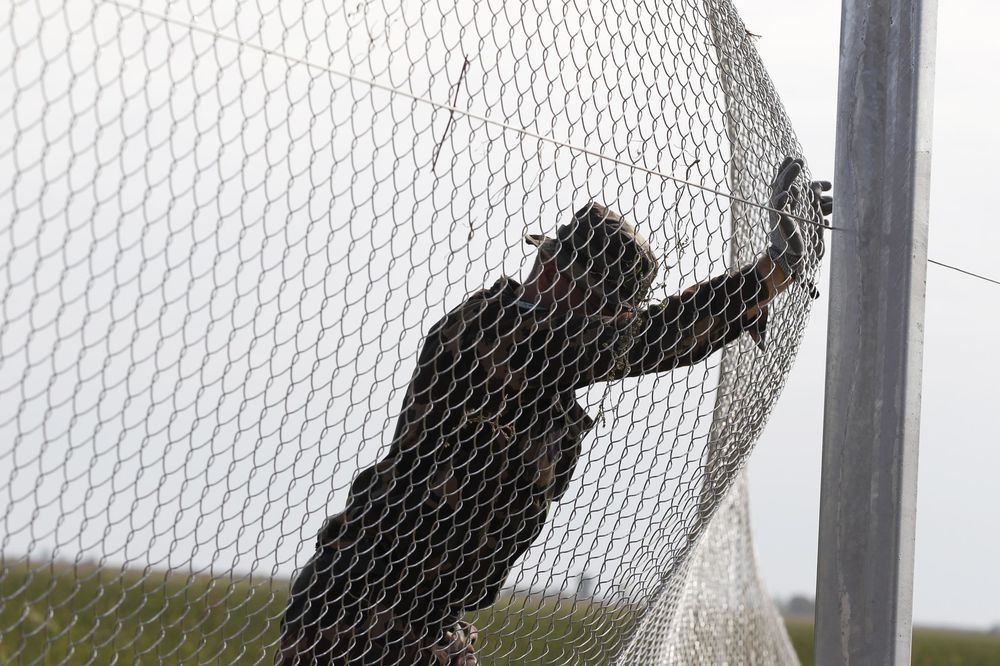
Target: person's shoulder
502, 293
485, 303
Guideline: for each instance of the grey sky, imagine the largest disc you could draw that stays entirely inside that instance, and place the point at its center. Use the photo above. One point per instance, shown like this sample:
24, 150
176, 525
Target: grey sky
958, 518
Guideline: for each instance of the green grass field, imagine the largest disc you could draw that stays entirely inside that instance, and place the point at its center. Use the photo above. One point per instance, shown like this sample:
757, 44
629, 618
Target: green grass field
931, 647
99, 616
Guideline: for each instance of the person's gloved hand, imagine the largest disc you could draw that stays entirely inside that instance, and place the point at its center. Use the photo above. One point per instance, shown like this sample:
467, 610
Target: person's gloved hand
457, 647
791, 244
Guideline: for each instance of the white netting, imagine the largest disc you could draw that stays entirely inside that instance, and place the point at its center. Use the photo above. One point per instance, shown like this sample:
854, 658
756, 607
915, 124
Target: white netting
228, 229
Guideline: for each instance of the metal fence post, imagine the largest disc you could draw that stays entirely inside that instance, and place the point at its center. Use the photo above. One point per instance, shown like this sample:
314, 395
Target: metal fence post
875, 346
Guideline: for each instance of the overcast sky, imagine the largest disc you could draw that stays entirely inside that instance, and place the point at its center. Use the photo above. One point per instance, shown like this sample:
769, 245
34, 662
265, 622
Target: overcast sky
958, 521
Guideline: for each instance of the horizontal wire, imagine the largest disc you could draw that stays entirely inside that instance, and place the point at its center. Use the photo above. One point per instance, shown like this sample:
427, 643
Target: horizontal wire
962, 270
490, 121
454, 109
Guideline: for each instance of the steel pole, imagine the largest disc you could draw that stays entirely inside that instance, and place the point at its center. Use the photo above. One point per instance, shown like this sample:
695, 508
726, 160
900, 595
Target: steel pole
864, 586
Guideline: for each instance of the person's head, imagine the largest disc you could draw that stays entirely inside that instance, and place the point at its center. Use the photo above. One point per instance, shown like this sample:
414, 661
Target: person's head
596, 264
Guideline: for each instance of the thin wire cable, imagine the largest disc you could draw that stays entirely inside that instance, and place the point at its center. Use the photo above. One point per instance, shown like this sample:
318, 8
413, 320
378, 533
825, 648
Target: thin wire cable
490, 121
454, 109
962, 270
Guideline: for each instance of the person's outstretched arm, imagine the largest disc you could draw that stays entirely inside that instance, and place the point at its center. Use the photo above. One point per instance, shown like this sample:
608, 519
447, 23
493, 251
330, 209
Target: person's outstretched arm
690, 326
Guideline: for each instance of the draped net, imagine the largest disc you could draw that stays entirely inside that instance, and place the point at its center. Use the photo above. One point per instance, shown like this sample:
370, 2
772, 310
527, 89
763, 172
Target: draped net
226, 229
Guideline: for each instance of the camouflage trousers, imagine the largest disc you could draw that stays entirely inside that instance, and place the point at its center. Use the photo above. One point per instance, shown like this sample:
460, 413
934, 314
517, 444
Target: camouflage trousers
324, 626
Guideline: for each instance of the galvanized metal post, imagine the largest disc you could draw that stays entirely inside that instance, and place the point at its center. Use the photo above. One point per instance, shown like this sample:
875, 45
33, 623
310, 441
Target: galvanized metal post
875, 346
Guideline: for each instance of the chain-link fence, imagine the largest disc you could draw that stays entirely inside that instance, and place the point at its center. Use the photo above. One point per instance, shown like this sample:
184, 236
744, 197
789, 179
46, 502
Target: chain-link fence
234, 230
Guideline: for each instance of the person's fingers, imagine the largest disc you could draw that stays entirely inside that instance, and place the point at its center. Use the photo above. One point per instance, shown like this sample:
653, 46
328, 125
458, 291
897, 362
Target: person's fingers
779, 200
788, 175
798, 165
826, 205
821, 185
788, 226
779, 175
795, 193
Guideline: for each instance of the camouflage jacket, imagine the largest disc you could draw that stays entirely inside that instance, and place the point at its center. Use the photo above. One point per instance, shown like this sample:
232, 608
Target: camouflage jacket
490, 434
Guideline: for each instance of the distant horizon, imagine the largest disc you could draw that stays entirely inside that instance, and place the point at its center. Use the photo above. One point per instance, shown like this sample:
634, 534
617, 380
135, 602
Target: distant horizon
507, 592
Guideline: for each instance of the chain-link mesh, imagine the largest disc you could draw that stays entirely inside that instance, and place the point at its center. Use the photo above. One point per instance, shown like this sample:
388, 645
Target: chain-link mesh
716, 609
245, 254
722, 614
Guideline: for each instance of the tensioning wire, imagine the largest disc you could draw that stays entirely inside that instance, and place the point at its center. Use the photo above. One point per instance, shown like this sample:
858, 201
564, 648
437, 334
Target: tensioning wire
490, 121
